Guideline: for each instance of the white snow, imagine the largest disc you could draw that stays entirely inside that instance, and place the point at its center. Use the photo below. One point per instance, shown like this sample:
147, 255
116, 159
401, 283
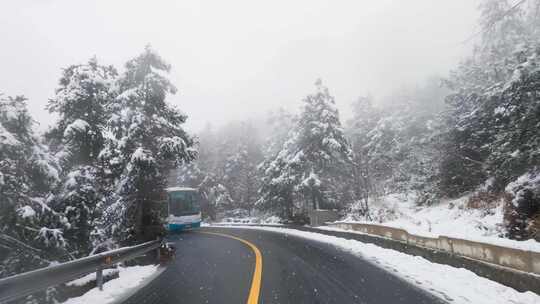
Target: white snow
499, 110
77, 126
458, 284
526, 182
6, 138
71, 179
141, 155
260, 220
45, 161
180, 189
91, 277
332, 143
128, 94
51, 237
130, 278
273, 220
26, 212
449, 218
312, 180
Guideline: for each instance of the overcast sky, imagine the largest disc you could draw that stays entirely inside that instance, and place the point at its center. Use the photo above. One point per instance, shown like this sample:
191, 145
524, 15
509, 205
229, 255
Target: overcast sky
236, 59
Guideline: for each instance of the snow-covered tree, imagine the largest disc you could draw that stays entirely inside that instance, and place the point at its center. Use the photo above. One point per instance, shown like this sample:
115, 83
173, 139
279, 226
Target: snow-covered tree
395, 142
31, 234
241, 178
314, 163
226, 168
277, 192
505, 43
148, 140
216, 197
523, 212
82, 102
81, 201
365, 117
323, 150
240, 174
279, 123
490, 130
141, 185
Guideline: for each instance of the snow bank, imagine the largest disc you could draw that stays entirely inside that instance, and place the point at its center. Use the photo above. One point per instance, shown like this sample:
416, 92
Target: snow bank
130, 278
456, 285
449, 218
91, 277
248, 220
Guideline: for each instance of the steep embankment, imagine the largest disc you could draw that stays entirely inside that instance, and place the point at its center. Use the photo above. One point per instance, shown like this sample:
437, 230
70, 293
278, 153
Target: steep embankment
454, 218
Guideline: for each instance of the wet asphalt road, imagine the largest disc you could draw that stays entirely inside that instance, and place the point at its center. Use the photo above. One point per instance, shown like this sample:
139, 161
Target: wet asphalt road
217, 269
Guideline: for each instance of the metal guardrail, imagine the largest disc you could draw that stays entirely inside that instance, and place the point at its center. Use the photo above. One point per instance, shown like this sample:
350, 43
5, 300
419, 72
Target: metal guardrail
24, 284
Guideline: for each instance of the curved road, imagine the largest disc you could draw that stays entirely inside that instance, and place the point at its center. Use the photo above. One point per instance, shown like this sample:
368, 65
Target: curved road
218, 265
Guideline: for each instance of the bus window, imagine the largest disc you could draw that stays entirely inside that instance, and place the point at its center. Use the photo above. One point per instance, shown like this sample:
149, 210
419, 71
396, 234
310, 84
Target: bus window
183, 203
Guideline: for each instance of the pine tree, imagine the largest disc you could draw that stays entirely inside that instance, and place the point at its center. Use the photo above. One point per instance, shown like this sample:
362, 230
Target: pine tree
226, 171
78, 136
395, 145
512, 119
241, 178
313, 167
491, 127
277, 192
148, 141
279, 122
216, 197
364, 120
240, 174
81, 103
323, 149
468, 135
31, 232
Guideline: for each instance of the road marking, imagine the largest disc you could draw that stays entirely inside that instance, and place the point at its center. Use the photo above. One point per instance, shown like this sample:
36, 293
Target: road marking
257, 272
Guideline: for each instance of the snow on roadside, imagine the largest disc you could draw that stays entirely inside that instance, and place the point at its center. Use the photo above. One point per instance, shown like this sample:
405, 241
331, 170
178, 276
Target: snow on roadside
458, 284
129, 278
448, 218
254, 220
91, 277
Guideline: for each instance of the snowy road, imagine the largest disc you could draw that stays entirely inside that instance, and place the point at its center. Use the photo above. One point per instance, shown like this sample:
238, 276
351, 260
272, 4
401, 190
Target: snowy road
212, 268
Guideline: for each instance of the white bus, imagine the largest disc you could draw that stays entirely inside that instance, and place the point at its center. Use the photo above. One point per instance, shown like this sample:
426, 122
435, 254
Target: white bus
184, 209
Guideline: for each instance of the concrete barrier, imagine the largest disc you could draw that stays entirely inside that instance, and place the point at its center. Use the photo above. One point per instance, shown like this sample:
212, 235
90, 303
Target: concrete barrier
516, 259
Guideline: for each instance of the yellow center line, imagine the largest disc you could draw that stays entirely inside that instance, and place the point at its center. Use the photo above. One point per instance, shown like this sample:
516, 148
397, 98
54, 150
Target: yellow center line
257, 273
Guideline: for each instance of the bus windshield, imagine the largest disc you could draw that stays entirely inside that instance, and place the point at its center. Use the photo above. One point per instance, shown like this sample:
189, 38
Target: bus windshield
183, 203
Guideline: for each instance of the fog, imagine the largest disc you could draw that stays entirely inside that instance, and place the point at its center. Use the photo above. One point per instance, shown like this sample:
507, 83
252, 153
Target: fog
237, 59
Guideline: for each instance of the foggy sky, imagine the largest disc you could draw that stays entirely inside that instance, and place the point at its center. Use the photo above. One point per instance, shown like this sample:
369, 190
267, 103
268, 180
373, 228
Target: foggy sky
236, 59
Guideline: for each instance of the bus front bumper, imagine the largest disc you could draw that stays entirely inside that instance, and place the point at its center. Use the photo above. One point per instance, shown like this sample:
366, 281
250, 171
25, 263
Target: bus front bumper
182, 227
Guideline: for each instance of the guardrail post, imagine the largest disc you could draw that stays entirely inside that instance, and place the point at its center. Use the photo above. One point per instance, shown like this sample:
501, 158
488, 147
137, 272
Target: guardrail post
99, 278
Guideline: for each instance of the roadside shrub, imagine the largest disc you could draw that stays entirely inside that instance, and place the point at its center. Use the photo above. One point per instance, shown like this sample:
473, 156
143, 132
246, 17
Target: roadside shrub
486, 199
426, 198
534, 227
522, 211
